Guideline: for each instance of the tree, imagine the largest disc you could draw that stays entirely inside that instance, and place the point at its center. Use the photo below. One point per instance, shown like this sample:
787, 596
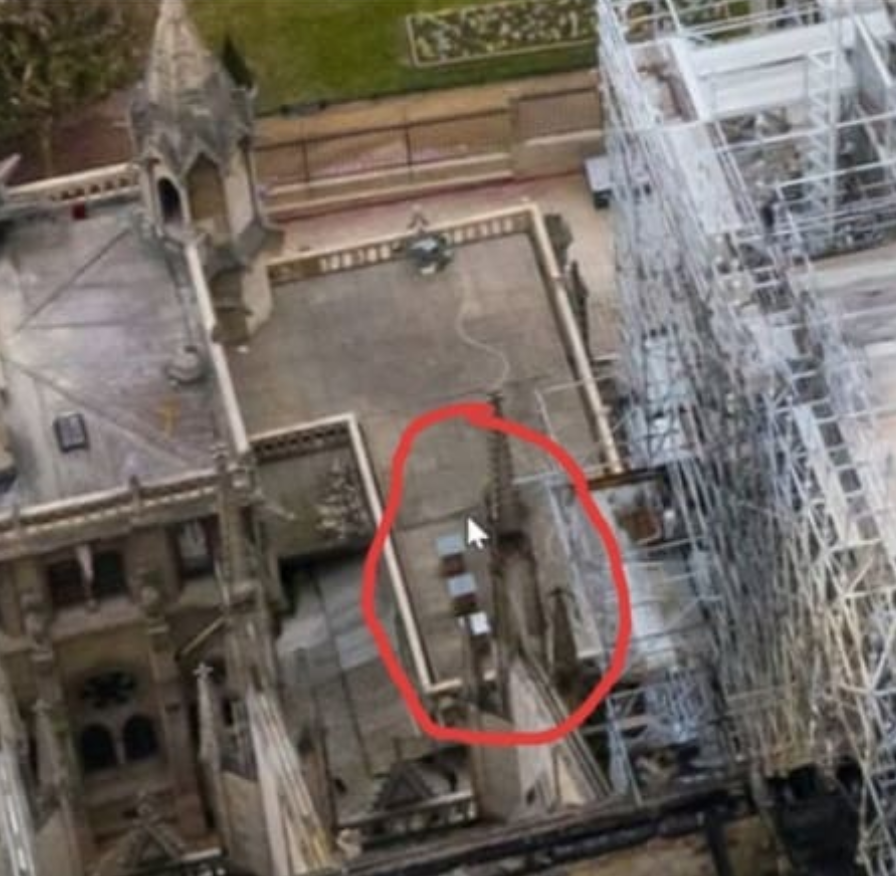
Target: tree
57, 56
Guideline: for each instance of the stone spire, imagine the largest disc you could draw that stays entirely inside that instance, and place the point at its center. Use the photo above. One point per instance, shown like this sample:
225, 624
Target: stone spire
187, 105
180, 62
191, 127
504, 504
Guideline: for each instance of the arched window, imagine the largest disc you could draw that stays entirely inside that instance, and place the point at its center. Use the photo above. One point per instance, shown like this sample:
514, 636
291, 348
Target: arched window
139, 738
172, 209
97, 749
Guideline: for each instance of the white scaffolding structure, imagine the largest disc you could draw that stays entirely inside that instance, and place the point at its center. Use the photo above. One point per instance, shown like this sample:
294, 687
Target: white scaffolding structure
666, 701
739, 380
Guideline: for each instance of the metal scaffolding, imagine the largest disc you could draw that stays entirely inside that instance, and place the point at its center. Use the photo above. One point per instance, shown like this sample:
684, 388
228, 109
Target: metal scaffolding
739, 383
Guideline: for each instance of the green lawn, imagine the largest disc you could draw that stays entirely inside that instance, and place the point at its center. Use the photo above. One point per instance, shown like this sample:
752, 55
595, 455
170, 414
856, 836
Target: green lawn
309, 50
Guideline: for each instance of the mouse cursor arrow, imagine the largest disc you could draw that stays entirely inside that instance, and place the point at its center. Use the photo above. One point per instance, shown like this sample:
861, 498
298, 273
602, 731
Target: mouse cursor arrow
476, 536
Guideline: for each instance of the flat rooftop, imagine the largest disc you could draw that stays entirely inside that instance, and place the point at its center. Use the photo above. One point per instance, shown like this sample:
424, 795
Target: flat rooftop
90, 316
331, 667
387, 344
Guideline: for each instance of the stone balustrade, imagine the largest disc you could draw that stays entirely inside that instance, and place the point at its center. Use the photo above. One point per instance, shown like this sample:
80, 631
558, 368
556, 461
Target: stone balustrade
332, 433
103, 183
180, 498
449, 810
316, 263
170, 499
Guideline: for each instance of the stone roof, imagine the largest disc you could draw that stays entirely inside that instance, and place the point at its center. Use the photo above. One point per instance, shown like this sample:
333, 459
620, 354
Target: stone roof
187, 105
98, 291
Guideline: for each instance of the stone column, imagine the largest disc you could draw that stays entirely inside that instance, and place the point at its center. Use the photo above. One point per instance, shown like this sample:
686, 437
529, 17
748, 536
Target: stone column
249, 647
173, 712
505, 507
210, 751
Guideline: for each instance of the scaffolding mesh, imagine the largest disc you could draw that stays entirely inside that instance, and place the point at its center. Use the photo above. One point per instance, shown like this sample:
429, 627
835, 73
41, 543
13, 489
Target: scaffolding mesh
741, 387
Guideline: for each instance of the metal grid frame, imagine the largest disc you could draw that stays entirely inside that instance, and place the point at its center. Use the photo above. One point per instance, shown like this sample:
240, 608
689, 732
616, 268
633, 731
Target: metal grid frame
775, 465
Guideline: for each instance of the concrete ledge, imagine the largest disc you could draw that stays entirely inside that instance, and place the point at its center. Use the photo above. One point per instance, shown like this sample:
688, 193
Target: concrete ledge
310, 204
545, 156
